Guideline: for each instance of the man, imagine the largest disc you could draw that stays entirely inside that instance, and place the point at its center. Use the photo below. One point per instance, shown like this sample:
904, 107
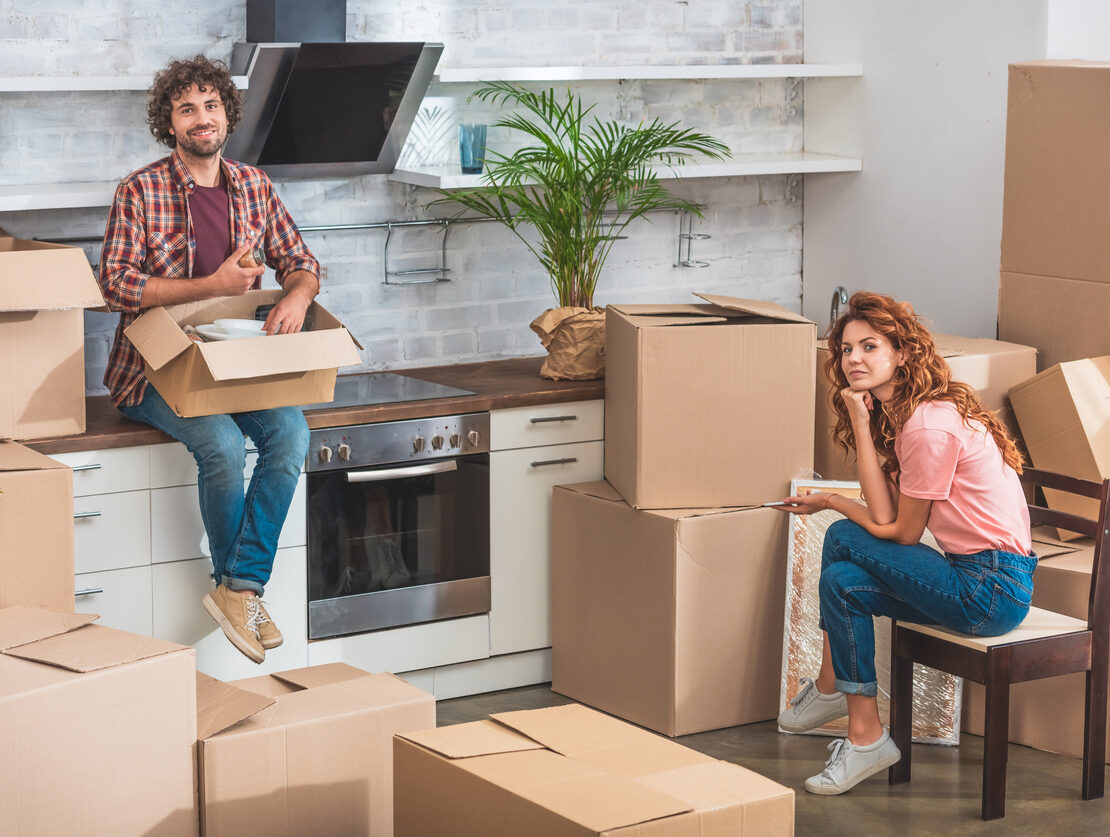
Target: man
176, 233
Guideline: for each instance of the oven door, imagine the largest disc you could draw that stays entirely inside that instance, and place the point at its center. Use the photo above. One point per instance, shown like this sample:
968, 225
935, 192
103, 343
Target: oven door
397, 545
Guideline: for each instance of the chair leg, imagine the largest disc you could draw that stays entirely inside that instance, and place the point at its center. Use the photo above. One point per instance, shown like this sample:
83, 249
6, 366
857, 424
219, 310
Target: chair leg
901, 713
1094, 729
996, 736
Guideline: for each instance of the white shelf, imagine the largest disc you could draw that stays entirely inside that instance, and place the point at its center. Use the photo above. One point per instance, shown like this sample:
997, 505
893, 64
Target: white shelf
35, 84
697, 71
57, 196
743, 165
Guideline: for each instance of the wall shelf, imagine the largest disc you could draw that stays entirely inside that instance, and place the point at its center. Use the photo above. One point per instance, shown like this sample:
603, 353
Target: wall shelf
743, 165
36, 84
696, 71
57, 195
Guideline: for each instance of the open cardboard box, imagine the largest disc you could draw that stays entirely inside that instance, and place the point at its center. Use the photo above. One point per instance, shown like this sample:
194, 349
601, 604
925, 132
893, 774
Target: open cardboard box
707, 404
233, 376
568, 771
303, 752
36, 530
97, 729
43, 289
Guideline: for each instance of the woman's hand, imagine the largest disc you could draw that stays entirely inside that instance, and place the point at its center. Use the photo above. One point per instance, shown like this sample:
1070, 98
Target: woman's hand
859, 404
806, 503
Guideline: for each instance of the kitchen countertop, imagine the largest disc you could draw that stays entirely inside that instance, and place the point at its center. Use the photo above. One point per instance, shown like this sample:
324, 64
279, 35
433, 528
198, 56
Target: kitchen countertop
496, 384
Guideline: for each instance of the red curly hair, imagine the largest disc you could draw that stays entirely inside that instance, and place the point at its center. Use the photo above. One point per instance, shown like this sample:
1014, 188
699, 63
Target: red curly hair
923, 376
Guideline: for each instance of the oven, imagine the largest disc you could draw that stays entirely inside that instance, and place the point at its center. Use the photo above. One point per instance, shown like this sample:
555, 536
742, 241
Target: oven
398, 523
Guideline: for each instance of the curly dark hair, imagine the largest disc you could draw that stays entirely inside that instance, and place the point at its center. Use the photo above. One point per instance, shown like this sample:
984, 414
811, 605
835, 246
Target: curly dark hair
925, 376
178, 77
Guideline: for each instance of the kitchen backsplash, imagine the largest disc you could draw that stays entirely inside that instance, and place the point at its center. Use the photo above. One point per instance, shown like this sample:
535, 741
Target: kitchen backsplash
496, 286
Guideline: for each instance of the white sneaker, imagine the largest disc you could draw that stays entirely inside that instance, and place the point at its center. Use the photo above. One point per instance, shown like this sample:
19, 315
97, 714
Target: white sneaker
849, 765
810, 709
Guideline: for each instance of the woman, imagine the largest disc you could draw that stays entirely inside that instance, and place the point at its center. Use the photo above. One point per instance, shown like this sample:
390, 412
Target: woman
928, 454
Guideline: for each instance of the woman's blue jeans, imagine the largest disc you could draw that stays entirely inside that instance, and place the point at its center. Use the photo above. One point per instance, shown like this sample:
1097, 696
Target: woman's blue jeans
243, 526
862, 576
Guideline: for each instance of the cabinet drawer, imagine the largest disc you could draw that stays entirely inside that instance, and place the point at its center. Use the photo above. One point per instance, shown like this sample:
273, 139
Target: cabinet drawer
179, 616
106, 471
121, 597
172, 464
111, 531
178, 531
548, 424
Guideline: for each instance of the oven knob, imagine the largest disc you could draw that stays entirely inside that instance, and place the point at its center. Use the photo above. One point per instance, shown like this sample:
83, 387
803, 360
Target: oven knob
417, 443
437, 442
344, 451
325, 453
473, 438
455, 439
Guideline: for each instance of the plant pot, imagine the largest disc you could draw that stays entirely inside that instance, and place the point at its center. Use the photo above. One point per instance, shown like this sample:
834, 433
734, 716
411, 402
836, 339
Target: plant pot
575, 343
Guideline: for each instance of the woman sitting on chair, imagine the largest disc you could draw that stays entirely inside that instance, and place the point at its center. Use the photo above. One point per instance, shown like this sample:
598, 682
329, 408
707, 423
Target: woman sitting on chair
928, 454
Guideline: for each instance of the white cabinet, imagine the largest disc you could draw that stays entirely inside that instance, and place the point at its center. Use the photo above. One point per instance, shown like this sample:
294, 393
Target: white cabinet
413, 647
534, 449
111, 531
121, 597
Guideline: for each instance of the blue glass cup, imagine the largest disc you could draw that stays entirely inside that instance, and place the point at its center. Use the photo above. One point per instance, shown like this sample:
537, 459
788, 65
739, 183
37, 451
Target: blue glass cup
472, 147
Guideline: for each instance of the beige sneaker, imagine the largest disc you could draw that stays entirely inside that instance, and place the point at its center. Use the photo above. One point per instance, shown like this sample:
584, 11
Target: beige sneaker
238, 616
268, 634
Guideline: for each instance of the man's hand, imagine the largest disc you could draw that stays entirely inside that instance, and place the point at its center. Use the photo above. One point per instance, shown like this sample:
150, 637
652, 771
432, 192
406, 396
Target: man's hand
232, 280
287, 315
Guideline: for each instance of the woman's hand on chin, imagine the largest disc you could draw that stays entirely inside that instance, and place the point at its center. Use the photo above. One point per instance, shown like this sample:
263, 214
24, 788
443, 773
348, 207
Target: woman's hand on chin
859, 404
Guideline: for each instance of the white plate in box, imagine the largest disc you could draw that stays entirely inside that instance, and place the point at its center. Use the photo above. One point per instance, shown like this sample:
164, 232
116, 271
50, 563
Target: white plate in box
232, 324
214, 332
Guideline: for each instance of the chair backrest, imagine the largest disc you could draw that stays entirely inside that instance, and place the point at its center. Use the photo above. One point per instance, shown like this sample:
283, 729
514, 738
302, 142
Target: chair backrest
1098, 603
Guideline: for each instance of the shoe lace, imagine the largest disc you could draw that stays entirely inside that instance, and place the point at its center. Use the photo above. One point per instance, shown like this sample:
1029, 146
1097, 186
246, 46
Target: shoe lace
807, 684
254, 614
263, 617
840, 751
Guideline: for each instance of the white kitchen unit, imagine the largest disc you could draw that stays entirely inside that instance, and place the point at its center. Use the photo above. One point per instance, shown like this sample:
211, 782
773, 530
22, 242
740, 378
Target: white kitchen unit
121, 597
532, 450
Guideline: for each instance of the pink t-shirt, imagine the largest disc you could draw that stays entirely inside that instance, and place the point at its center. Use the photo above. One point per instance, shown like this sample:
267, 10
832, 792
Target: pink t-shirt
977, 499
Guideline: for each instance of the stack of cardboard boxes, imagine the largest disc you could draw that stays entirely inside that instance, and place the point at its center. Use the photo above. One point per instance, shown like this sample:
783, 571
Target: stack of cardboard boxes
667, 600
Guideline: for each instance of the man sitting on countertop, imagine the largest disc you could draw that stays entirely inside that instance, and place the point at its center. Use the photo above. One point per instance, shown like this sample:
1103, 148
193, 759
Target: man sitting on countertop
176, 233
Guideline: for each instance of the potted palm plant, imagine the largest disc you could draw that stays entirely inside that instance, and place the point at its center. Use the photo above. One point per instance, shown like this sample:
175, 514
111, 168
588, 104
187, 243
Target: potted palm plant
578, 187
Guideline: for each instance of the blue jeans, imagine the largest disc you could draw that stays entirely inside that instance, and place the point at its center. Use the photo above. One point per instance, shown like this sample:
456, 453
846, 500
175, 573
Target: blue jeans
243, 527
862, 576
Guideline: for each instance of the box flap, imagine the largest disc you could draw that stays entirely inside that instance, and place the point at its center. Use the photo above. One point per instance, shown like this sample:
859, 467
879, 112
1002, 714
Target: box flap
221, 705
591, 737
20, 625
477, 738
16, 457
312, 676
601, 489
39, 276
755, 306
92, 648
158, 337
278, 354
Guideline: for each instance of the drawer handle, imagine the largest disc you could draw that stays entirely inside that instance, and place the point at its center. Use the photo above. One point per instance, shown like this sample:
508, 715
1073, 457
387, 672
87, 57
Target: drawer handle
545, 419
251, 450
93, 466
82, 515
564, 461
88, 591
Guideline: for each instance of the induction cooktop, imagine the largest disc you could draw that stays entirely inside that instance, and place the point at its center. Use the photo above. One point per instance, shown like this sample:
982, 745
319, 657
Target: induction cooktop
369, 388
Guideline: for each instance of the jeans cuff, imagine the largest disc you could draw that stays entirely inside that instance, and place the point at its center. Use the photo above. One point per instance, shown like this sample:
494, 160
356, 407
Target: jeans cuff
849, 688
241, 584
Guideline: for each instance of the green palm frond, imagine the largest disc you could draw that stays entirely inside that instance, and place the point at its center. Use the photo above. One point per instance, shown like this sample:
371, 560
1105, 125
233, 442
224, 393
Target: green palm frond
578, 186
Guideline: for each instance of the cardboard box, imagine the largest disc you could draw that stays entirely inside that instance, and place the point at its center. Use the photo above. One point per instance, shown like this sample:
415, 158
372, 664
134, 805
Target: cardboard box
231, 376
36, 530
1063, 413
671, 619
97, 729
1064, 318
1057, 170
1048, 714
991, 367
43, 288
303, 752
707, 405
569, 771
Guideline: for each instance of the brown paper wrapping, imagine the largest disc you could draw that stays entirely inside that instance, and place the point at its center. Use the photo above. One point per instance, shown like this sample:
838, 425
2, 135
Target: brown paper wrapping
575, 343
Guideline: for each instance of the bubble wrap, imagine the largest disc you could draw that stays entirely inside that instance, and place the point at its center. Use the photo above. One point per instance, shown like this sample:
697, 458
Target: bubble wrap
936, 695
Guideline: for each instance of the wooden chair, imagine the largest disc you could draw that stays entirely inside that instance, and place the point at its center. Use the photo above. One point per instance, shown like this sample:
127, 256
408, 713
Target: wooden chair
1046, 644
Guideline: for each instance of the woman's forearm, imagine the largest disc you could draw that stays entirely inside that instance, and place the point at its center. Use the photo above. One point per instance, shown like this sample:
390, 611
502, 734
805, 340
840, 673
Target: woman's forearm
872, 480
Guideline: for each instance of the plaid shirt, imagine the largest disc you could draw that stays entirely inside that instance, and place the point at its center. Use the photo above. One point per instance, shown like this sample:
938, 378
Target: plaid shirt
150, 233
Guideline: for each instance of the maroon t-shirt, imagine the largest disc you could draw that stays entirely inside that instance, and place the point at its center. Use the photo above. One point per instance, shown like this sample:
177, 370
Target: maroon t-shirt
209, 209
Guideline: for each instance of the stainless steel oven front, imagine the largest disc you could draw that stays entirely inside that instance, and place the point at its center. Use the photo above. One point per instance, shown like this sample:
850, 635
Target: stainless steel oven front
398, 524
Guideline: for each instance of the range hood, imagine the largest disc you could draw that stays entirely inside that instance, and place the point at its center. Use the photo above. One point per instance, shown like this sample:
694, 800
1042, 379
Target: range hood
329, 109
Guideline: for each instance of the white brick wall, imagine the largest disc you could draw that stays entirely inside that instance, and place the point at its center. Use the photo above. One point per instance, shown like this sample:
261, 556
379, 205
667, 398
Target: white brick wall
496, 286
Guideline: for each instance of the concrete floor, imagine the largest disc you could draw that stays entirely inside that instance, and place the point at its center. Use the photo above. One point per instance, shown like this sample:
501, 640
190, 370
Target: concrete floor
943, 798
